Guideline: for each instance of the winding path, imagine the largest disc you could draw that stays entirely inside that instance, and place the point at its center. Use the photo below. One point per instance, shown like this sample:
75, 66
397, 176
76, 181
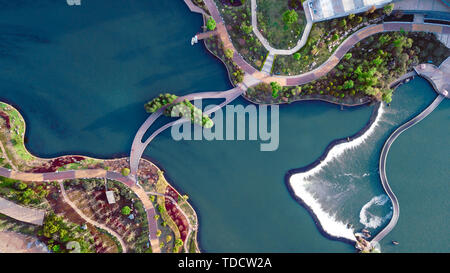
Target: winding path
382, 166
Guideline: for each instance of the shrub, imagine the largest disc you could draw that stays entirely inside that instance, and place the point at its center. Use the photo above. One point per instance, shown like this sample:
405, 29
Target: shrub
276, 88
229, 53
19, 185
211, 24
125, 171
388, 9
290, 17
126, 210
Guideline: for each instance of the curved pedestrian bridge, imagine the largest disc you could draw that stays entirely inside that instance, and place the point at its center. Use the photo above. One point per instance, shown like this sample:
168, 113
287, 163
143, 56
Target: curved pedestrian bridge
439, 79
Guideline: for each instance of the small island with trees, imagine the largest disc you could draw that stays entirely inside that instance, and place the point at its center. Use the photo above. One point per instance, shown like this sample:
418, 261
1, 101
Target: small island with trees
183, 109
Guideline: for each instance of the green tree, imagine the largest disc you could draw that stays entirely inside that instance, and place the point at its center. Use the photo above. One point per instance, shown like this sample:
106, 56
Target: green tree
388, 9
125, 171
247, 29
178, 242
348, 84
290, 17
297, 56
229, 53
348, 56
387, 95
126, 210
377, 61
19, 185
211, 23
335, 37
276, 88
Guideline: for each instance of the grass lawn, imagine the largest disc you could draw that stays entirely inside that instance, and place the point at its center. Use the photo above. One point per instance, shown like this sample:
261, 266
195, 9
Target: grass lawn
17, 132
272, 27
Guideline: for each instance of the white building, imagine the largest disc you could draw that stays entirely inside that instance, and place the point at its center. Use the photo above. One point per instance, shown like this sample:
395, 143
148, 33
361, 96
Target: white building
329, 9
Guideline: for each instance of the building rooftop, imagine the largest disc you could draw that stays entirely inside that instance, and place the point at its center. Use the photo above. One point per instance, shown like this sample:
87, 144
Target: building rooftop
329, 9
110, 197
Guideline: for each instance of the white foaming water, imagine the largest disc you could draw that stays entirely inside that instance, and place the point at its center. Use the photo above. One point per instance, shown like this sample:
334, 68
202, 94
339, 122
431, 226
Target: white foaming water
368, 219
300, 181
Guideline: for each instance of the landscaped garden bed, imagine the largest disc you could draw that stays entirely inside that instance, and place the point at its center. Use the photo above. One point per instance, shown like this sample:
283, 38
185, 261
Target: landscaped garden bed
323, 40
103, 242
165, 233
30, 194
62, 236
215, 46
183, 109
365, 72
126, 217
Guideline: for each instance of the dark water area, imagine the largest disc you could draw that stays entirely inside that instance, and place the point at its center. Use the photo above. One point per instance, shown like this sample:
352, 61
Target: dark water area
80, 75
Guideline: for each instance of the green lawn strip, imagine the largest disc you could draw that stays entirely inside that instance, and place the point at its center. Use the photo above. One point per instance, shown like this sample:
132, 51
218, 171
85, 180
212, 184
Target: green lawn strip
17, 132
165, 230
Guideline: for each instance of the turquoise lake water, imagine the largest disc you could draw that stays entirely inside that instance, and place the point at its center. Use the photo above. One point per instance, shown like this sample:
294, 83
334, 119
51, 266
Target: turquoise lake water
80, 76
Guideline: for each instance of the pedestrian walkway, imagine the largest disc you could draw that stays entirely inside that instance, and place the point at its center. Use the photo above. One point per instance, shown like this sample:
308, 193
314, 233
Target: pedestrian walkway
21, 213
267, 68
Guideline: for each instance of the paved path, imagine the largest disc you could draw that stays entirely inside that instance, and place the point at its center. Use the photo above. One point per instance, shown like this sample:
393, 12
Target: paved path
194, 8
13, 242
437, 76
93, 173
267, 45
267, 68
207, 34
21, 213
89, 220
382, 166
150, 211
